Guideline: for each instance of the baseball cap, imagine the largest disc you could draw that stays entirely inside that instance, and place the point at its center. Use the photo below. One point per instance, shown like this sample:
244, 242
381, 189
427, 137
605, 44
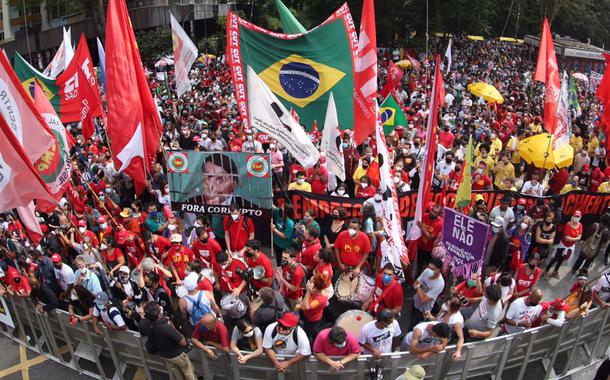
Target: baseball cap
176, 238
578, 213
56, 258
498, 221
82, 223
288, 320
124, 269
416, 372
190, 282
101, 219
126, 213
101, 299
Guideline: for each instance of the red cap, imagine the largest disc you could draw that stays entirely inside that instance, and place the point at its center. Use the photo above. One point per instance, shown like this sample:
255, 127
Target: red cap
56, 258
101, 219
521, 201
82, 223
288, 320
578, 213
585, 168
122, 236
33, 267
44, 228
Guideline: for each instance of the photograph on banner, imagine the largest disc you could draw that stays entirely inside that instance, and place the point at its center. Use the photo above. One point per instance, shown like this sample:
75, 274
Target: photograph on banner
210, 182
464, 239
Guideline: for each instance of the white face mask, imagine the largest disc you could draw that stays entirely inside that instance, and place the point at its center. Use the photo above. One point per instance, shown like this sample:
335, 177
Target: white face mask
271, 146
341, 191
352, 232
82, 230
523, 226
171, 227
300, 181
480, 171
103, 226
365, 185
428, 272
235, 217
249, 334
103, 246
576, 219
396, 180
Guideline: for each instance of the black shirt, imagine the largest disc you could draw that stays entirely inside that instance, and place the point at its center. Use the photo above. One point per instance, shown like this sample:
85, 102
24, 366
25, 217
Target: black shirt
166, 338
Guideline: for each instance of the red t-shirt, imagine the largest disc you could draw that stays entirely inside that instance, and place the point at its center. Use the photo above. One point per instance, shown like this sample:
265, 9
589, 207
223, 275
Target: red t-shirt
525, 281
307, 253
161, 245
323, 344
365, 193
482, 183
315, 314
238, 233
295, 277
229, 279
266, 263
113, 256
318, 185
433, 227
351, 250
205, 284
467, 292
90, 234
206, 252
568, 230
392, 298
446, 139
219, 335
325, 270
180, 257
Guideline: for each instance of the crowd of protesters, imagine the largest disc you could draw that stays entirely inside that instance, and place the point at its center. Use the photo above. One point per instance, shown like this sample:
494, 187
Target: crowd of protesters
125, 262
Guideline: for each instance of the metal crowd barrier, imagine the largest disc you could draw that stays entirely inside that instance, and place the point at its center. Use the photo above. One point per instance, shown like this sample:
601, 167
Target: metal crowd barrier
558, 352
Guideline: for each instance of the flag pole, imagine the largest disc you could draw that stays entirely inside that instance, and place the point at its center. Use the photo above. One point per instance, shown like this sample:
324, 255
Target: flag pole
546, 153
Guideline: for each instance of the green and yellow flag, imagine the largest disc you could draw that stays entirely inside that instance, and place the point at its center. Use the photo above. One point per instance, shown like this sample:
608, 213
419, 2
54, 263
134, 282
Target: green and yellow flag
290, 24
391, 114
300, 70
464, 192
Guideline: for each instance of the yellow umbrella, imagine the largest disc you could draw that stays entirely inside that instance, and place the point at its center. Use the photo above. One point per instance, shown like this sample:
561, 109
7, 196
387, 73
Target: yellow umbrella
486, 91
404, 64
538, 150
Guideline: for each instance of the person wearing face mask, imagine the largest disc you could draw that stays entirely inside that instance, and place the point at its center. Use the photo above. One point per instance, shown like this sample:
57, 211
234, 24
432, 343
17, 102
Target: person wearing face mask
340, 191
521, 232
300, 184
317, 176
238, 229
247, 338
311, 246
336, 225
205, 248
286, 338
598, 234
251, 145
336, 342
291, 275
480, 180
83, 232
470, 292
352, 248
498, 246
85, 277
431, 226
387, 293
277, 166
533, 187
155, 222
127, 290
572, 233
351, 157
572, 185
313, 305
360, 173
376, 203
443, 170
105, 227
523, 312
527, 276
305, 223
399, 182
178, 257
185, 140
255, 257
503, 169
485, 158
428, 287
282, 228
365, 189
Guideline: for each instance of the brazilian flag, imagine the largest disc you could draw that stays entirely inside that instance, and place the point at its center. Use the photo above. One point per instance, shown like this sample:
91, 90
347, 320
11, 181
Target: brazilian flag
300, 70
391, 114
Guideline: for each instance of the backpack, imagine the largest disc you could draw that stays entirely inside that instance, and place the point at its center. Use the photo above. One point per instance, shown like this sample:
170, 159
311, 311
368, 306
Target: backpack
244, 222
199, 309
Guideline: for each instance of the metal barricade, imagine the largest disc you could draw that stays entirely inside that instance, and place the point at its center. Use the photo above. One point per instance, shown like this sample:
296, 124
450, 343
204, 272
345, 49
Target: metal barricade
564, 351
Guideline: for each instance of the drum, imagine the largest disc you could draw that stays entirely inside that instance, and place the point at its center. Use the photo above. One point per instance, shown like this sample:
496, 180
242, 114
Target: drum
354, 320
234, 307
353, 289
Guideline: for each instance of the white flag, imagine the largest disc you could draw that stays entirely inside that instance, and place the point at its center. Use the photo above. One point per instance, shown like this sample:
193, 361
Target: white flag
185, 54
62, 57
331, 141
563, 128
268, 115
392, 224
448, 56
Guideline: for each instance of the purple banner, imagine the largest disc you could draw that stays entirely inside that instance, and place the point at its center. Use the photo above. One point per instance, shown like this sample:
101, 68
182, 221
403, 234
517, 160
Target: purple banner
464, 239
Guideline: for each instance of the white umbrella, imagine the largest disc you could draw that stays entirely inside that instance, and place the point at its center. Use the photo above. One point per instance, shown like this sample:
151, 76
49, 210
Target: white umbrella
164, 62
580, 76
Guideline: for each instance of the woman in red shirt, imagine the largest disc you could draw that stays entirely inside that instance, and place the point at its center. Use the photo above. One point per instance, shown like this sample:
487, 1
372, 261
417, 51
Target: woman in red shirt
365, 190
324, 268
112, 254
527, 276
313, 304
572, 232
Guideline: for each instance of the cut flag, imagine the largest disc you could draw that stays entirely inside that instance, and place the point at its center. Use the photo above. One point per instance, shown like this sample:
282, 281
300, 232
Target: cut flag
548, 73
290, 24
331, 141
464, 191
448, 57
27, 214
563, 127
102, 57
427, 168
19, 180
393, 80
392, 224
62, 57
365, 75
268, 115
134, 127
185, 54
574, 98
391, 114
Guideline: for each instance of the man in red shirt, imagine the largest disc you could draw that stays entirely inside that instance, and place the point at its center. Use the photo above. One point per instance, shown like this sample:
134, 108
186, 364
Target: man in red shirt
227, 278
83, 232
292, 276
352, 247
318, 178
431, 225
238, 230
179, 257
387, 293
209, 331
132, 246
446, 138
254, 258
480, 180
311, 246
205, 248
160, 245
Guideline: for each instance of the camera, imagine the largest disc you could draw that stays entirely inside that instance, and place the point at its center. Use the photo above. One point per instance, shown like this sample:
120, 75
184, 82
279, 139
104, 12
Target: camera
247, 274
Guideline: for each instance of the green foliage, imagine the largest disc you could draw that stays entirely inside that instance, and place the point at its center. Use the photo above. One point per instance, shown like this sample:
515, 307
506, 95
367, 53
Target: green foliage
154, 43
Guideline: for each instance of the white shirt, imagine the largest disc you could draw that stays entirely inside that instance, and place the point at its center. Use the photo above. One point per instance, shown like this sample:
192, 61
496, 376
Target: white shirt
285, 344
65, 277
380, 339
602, 287
508, 215
518, 311
426, 340
530, 189
432, 288
453, 318
506, 290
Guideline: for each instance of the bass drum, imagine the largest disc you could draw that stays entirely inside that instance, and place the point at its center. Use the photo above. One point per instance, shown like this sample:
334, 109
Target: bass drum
354, 289
233, 306
353, 321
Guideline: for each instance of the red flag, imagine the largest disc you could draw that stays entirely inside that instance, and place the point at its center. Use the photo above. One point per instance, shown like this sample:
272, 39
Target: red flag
133, 125
90, 101
603, 93
365, 75
19, 180
414, 62
427, 170
27, 215
548, 73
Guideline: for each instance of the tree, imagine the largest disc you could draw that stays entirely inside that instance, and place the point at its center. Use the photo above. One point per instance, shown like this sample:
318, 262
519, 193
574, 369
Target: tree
154, 43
